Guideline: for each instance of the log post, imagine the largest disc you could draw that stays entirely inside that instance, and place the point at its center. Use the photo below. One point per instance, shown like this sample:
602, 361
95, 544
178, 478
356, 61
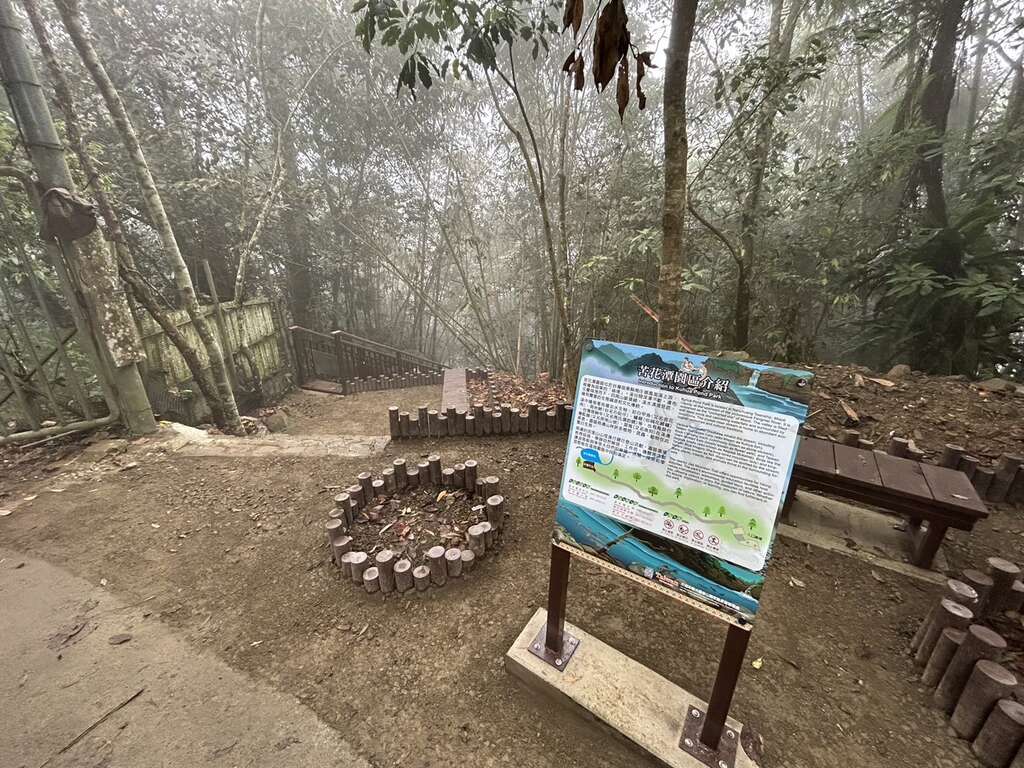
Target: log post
989, 682
982, 480
414, 427
851, 437
453, 562
568, 421
438, 569
388, 476
358, 562
1005, 473
447, 477
371, 580
949, 642
384, 561
433, 428
531, 414
400, 473
442, 425
496, 422
334, 528
506, 418
542, 421
979, 643
486, 420
468, 560
412, 477
524, 422
1016, 600
357, 496
421, 577
969, 466
435, 469
424, 473
477, 543
898, 446
513, 421
403, 423
488, 531
496, 511
470, 475
947, 614
423, 414
470, 425
1001, 735
377, 488
492, 486
1003, 573
366, 483
459, 476
460, 422
403, 576
393, 421
981, 584
345, 563
551, 419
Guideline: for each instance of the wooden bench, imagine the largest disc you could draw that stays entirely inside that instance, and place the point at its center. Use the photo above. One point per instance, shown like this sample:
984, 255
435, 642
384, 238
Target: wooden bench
943, 497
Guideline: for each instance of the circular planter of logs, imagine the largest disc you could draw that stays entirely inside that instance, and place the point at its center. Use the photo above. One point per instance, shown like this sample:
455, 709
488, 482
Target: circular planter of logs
373, 505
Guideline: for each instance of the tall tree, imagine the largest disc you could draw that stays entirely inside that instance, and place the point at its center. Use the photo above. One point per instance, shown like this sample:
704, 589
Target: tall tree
69, 13
673, 217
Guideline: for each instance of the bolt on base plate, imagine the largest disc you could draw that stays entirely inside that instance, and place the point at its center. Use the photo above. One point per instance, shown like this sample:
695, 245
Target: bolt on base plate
690, 743
559, 661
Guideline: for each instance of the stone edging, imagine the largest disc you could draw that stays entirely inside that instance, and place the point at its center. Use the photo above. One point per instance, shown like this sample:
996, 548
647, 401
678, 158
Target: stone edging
383, 573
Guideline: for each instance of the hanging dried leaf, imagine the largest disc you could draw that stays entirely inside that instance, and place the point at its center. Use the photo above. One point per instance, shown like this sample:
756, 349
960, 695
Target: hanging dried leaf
572, 16
640, 95
622, 88
645, 57
611, 42
570, 62
577, 18
581, 77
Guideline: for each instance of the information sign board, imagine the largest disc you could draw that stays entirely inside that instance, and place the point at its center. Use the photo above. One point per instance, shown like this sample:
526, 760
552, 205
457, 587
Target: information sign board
677, 467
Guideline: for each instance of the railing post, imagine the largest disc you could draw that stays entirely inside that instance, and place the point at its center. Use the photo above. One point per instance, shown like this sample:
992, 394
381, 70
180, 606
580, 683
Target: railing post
339, 354
298, 343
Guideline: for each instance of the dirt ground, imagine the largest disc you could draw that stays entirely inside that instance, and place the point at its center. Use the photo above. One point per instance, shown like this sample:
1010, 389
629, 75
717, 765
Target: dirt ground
366, 413
230, 553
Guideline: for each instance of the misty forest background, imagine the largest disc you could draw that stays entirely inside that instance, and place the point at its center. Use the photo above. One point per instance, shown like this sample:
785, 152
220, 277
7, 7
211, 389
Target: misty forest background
429, 176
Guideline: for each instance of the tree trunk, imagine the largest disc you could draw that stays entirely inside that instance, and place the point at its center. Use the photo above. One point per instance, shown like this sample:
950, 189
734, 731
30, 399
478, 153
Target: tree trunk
981, 33
673, 217
935, 101
68, 10
780, 45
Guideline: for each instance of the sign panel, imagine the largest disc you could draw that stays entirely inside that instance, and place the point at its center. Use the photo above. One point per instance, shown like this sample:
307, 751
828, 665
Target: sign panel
677, 466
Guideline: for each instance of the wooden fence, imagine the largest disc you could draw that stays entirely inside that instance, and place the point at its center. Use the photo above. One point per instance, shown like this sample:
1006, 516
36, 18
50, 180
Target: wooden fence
253, 339
358, 364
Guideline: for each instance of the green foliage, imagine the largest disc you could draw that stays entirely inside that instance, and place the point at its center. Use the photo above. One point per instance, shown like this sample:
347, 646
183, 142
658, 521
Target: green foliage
442, 37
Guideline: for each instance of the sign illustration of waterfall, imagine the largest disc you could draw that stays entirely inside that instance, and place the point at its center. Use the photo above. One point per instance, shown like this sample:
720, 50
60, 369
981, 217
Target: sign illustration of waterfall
676, 469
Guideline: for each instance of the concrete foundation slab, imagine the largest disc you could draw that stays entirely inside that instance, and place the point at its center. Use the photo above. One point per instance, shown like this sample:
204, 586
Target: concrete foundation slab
607, 686
857, 532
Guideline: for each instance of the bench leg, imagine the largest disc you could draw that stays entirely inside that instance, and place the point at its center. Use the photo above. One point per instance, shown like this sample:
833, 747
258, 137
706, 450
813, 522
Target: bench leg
787, 502
928, 544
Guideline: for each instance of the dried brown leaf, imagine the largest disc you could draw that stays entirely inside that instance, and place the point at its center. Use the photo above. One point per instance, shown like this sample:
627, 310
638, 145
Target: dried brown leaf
622, 88
581, 77
570, 61
611, 42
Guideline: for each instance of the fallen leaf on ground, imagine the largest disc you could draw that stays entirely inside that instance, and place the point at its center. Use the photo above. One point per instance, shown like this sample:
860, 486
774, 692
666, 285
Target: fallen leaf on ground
119, 639
757, 663
795, 582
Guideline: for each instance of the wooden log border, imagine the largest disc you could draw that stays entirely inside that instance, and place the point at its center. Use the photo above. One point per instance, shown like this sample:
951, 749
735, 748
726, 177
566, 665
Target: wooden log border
380, 573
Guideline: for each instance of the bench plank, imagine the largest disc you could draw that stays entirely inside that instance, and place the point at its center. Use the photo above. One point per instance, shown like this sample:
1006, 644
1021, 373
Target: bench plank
816, 454
951, 486
857, 463
903, 476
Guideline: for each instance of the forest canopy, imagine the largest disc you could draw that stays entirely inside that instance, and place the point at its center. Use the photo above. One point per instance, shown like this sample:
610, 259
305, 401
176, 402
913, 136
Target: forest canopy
477, 181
